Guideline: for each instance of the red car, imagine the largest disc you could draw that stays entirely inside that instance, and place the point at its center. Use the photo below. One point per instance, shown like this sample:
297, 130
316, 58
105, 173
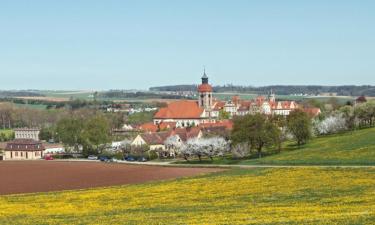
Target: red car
48, 157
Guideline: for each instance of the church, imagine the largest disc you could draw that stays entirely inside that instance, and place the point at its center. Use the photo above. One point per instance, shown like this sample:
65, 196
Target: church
187, 113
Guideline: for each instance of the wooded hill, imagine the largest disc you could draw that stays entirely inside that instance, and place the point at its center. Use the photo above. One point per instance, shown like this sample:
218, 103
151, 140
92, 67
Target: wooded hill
346, 90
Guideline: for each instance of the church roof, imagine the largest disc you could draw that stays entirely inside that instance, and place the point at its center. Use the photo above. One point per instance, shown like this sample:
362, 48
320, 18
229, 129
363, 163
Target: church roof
180, 110
204, 88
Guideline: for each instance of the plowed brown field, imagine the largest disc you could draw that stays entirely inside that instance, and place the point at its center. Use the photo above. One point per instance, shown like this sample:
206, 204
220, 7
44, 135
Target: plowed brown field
42, 176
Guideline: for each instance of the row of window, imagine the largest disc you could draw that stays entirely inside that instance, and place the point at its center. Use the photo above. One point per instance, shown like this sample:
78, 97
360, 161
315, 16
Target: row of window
26, 146
26, 154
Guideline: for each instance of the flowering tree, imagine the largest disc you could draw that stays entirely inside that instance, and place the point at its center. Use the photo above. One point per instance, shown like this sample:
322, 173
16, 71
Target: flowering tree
210, 147
173, 144
185, 151
332, 124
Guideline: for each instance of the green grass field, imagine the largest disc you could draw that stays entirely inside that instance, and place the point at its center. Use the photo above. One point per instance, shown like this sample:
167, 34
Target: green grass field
257, 196
67, 94
350, 148
31, 106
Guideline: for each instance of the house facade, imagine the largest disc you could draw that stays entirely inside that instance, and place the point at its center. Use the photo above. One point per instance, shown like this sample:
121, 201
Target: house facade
27, 133
23, 149
25, 146
158, 140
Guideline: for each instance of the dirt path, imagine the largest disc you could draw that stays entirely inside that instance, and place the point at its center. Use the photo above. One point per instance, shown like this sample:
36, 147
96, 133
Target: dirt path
42, 176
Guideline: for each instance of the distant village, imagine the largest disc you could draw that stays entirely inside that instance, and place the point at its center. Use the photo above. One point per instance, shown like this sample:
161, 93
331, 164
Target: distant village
180, 119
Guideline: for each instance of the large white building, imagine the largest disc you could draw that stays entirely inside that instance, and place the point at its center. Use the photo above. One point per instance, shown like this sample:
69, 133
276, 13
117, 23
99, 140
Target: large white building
27, 133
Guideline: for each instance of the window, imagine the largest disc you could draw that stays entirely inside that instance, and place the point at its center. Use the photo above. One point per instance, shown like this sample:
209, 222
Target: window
16, 154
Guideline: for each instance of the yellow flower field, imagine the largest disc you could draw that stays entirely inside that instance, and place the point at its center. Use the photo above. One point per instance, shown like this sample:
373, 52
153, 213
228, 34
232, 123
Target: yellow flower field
258, 196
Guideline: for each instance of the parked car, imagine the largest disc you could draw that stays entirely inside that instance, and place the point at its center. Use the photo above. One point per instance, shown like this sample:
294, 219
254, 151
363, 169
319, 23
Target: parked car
106, 159
103, 158
92, 157
129, 158
142, 159
48, 157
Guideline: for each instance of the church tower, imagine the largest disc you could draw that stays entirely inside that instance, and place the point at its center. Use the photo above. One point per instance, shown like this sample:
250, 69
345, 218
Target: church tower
272, 96
205, 93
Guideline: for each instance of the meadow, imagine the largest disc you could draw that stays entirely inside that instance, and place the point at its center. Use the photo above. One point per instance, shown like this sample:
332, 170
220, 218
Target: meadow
237, 196
350, 148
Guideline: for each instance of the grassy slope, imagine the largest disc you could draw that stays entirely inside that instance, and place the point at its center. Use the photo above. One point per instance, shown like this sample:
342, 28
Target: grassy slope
352, 148
258, 196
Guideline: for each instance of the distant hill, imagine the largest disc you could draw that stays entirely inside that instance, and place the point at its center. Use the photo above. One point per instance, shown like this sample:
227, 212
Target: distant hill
346, 90
7, 94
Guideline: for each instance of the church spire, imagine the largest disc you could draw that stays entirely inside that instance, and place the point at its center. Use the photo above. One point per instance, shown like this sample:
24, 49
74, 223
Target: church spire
204, 77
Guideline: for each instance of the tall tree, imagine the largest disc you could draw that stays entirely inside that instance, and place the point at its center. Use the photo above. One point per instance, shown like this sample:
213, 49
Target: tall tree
69, 131
257, 131
299, 125
96, 133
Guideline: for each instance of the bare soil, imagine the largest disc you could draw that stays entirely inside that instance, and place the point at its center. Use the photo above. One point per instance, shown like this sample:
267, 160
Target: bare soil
43, 176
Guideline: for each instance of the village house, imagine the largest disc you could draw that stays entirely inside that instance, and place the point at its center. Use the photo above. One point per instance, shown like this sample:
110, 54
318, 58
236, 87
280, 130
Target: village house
26, 146
157, 140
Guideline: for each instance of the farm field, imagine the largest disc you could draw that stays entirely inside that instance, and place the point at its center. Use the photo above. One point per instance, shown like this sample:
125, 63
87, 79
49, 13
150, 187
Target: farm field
238, 196
43, 176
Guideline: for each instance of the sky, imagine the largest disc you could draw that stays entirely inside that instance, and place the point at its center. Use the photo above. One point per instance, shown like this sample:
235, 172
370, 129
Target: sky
101, 45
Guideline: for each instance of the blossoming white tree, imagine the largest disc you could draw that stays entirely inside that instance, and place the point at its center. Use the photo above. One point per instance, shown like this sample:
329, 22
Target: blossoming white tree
173, 144
210, 147
332, 124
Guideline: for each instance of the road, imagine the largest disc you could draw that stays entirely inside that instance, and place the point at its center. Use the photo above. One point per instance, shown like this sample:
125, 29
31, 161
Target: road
171, 164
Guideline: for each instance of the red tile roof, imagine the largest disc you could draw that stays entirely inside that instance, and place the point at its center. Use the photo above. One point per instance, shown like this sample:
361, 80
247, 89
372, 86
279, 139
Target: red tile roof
24, 145
218, 105
180, 110
148, 127
158, 138
155, 138
167, 125
228, 124
204, 88
313, 112
186, 133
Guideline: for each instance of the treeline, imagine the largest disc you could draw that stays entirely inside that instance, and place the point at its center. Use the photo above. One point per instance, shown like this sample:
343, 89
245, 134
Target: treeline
138, 94
71, 104
5, 94
14, 117
346, 90
178, 88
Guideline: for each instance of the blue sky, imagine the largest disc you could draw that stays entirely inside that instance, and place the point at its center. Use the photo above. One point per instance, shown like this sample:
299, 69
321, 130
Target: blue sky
76, 44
